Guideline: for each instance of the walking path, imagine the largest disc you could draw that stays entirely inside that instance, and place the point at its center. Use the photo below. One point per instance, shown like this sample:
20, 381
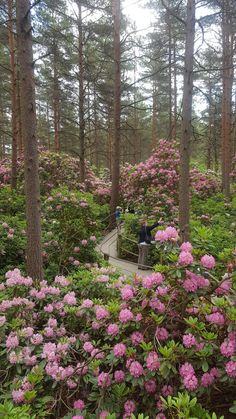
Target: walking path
108, 246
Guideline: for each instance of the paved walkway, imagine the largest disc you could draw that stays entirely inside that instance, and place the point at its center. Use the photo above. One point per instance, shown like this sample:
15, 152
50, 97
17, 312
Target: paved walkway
108, 246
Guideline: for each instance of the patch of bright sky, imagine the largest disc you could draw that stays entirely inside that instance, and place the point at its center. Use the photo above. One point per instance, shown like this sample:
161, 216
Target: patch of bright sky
136, 11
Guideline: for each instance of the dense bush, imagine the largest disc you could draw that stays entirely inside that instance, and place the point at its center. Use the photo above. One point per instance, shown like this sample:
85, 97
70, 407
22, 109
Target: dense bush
71, 224
98, 342
58, 170
148, 184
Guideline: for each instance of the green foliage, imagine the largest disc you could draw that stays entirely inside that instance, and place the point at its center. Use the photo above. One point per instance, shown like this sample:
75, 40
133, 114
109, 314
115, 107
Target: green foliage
185, 407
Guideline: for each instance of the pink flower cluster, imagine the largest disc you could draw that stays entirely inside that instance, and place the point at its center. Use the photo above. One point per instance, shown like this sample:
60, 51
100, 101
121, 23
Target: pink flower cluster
193, 282
152, 280
170, 233
15, 278
208, 261
208, 378
188, 376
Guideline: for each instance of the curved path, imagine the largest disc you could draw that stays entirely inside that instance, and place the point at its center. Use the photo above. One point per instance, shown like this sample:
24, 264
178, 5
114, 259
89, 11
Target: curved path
108, 246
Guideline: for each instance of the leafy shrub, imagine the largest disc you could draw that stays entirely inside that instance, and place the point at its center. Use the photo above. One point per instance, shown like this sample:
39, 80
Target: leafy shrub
100, 342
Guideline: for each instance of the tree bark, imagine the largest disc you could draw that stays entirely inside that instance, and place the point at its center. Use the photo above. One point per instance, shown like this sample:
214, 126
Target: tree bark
117, 109
55, 99
81, 96
175, 92
19, 126
186, 124
227, 35
11, 42
154, 115
210, 125
28, 115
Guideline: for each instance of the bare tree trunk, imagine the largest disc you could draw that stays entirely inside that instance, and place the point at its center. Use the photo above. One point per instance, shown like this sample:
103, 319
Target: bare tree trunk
170, 73
95, 128
117, 109
81, 96
175, 92
109, 140
28, 115
56, 99
210, 121
227, 36
154, 115
19, 125
13, 95
186, 123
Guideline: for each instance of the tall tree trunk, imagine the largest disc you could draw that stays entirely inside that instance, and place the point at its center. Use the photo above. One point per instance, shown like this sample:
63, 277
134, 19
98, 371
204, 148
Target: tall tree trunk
227, 36
28, 115
18, 112
186, 123
56, 99
109, 140
210, 125
154, 115
117, 109
170, 72
175, 92
95, 128
81, 96
13, 95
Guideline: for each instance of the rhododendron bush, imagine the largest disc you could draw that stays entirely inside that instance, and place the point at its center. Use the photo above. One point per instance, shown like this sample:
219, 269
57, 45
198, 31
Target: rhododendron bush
71, 224
98, 342
57, 170
154, 183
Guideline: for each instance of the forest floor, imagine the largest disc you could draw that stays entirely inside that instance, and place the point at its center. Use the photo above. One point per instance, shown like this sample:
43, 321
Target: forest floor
108, 246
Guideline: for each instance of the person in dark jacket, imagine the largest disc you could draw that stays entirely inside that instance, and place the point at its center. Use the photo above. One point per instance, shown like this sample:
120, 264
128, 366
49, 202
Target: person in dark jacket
145, 238
145, 232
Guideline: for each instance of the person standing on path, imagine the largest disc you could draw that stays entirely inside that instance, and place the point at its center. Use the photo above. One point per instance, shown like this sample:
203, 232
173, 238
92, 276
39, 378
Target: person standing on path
145, 239
118, 218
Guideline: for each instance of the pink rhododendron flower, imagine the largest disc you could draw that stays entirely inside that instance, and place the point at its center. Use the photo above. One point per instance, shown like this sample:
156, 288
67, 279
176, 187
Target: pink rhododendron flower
18, 396
224, 288
189, 340
227, 348
207, 379
101, 313
216, 318
208, 261
186, 247
112, 329
79, 404
136, 369
190, 382
69, 298
12, 341
171, 233
230, 369
125, 315
119, 350
87, 304
127, 293
150, 386
161, 236
104, 380
36, 339
104, 414
136, 338
161, 333
185, 258
119, 376
88, 347
129, 406
167, 390
152, 361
